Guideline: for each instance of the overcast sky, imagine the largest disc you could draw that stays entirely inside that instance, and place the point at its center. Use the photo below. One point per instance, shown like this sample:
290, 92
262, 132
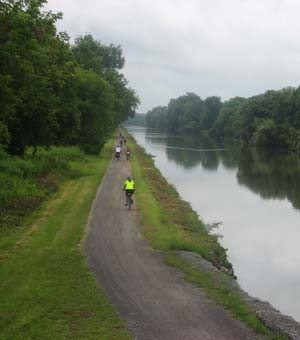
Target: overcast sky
226, 48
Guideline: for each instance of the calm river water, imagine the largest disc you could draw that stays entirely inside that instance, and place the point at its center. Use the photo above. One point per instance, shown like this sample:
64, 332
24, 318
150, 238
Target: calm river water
256, 196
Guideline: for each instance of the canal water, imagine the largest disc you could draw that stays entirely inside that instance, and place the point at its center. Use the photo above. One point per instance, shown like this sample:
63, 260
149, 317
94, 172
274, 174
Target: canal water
256, 196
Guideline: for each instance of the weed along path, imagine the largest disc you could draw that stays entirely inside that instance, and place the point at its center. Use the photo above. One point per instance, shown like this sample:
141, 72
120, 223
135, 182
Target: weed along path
153, 298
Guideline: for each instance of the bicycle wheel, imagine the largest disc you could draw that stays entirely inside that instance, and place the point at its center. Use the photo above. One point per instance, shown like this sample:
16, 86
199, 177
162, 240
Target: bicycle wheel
128, 201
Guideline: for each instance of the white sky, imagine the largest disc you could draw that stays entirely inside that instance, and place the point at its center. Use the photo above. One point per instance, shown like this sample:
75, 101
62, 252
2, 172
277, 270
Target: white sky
209, 47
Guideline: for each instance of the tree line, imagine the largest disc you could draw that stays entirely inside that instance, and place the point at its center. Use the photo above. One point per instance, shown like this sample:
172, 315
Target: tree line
270, 119
53, 92
139, 119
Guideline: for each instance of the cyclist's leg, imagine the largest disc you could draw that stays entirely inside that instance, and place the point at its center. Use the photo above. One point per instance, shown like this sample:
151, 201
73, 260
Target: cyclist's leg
126, 198
129, 200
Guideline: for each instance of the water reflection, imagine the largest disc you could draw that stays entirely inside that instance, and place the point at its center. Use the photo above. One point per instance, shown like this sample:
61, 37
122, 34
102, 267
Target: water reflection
190, 158
189, 151
271, 174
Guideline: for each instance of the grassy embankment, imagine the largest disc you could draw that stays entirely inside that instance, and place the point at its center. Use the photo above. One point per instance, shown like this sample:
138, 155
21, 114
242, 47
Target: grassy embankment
170, 224
47, 290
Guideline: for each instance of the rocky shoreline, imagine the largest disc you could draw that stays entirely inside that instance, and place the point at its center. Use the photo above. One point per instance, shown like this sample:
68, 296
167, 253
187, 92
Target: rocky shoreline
277, 322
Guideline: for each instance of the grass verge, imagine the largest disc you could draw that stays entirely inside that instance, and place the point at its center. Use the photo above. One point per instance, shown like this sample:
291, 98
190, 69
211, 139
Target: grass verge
47, 290
171, 224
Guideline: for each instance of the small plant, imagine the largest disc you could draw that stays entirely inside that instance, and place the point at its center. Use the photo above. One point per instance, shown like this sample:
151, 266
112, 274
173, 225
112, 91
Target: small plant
211, 229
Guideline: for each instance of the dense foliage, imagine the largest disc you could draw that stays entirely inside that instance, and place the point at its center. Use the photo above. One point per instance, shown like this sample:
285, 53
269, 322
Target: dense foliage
269, 119
52, 93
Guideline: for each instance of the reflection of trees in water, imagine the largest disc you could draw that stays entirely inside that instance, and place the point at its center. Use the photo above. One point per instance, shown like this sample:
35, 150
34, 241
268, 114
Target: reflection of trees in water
208, 159
268, 173
190, 159
230, 157
271, 174
178, 151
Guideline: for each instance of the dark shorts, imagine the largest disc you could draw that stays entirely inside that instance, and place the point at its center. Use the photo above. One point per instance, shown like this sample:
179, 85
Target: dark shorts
129, 192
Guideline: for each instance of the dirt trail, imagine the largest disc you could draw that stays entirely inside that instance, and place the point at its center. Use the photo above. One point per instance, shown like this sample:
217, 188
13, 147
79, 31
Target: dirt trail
154, 299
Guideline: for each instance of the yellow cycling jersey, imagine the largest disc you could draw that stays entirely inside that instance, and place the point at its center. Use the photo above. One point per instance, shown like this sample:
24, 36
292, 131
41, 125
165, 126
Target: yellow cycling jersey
129, 185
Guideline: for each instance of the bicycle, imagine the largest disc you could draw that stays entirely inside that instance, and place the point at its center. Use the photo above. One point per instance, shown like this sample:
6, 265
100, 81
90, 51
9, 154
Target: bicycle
129, 200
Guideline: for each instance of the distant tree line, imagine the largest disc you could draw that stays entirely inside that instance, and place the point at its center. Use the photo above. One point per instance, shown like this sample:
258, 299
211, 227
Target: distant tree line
139, 119
269, 119
53, 93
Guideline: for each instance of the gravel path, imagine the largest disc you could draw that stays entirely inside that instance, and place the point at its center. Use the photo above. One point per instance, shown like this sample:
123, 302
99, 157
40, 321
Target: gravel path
154, 299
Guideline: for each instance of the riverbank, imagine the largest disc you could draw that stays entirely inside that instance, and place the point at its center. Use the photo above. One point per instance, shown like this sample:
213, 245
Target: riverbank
285, 327
160, 206
47, 290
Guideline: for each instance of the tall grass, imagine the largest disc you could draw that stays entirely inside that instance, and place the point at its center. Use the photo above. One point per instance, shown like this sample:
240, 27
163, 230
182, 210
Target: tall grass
25, 182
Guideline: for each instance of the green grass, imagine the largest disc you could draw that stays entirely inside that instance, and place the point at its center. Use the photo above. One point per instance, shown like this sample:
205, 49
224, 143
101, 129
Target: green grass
170, 224
47, 290
26, 182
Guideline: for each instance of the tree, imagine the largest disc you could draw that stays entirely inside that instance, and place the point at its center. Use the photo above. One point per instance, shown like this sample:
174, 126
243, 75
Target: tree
265, 133
46, 98
101, 64
185, 114
157, 117
96, 107
35, 68
213, 106
226, 124
93, 55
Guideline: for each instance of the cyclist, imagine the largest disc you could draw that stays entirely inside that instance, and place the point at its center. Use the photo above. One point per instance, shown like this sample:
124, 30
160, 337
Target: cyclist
129, 188
128, 152
118, 151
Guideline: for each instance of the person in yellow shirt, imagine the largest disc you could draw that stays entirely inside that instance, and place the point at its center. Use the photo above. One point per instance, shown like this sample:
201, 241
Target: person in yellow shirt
129, 188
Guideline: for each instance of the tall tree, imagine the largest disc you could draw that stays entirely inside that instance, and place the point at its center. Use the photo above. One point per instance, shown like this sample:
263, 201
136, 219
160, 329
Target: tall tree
96, 107
93, 55
35, 68
157, 117
105, 62
213, 106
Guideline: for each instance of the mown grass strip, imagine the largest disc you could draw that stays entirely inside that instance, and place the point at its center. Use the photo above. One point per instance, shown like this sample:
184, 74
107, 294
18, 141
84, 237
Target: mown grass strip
171, 225
171, 222
47, 290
